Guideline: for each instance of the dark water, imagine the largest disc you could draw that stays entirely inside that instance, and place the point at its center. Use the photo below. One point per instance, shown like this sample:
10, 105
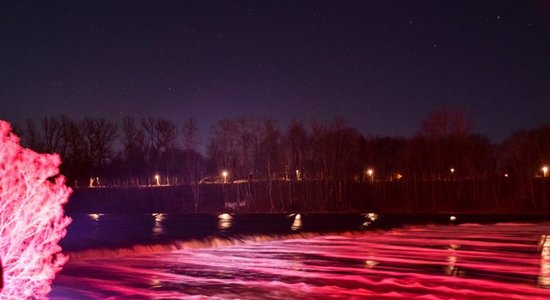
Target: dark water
313, 256
114, 231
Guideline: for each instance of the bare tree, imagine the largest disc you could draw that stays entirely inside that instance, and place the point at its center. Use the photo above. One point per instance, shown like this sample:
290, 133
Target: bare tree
135, 149
33, 137
162, 135
445, 122
194, 162
53, 134
269, 155
99, 135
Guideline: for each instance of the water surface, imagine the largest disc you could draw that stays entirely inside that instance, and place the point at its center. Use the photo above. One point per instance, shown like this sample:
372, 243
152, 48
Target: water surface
421, 261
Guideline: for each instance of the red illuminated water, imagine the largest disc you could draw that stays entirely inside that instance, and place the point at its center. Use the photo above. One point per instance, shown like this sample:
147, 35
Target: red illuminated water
468, 261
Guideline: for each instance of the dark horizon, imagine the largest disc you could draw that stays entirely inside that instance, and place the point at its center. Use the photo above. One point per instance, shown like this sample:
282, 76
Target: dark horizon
205, 135
383, 66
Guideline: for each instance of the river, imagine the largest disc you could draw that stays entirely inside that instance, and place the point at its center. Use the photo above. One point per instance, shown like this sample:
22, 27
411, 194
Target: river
310, 256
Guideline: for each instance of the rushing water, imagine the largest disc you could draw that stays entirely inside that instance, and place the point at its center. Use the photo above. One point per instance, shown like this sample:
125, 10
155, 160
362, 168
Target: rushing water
254, 259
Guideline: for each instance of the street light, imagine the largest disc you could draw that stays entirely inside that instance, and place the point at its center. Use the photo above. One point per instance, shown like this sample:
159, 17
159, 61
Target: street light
224, 175
544, 171
298, 175
157, 177
370, 172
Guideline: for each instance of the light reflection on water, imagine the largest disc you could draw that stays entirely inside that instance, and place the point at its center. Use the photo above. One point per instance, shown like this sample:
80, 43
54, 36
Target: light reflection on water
469, 261
297, 223
157, 227
225, 221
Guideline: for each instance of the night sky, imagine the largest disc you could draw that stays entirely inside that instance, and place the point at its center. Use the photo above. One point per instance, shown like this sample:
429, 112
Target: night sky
382, 65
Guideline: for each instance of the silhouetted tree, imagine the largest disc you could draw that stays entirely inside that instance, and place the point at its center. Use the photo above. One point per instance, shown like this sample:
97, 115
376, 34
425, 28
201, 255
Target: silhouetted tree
162, 136
135, 149
194, 162
525, 152
298, 150
98, 135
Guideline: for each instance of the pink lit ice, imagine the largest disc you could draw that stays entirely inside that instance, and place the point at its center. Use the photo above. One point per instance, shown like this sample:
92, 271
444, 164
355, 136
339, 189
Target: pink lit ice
32, 219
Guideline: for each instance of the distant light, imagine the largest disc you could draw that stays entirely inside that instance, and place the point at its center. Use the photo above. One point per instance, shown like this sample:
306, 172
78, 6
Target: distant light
157, 178
453, 247
506, 175
544, 171
158, 216
370, 172
452, 170
158, 229
297, 224
372, 216
398, 176
369, 263
225, 216
452, 218
95, 217
224, 175
225, 221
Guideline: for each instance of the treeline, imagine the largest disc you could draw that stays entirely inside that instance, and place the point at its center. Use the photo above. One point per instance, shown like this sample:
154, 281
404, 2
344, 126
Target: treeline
131, 152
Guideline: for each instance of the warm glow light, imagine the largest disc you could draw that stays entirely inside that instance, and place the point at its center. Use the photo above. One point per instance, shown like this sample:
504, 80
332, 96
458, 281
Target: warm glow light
452, 170
157, 178
225, 221
224, 175
158, 229
369, 263
297, 224
452, 218
158, 216
544, 171
370, 172
95, 217
506, 175
372, 216
225, 216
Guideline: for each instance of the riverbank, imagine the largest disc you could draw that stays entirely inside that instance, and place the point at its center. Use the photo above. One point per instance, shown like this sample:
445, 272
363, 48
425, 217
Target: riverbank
464, 196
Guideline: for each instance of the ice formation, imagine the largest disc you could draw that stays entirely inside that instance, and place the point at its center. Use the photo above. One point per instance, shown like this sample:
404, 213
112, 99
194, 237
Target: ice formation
32, 220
